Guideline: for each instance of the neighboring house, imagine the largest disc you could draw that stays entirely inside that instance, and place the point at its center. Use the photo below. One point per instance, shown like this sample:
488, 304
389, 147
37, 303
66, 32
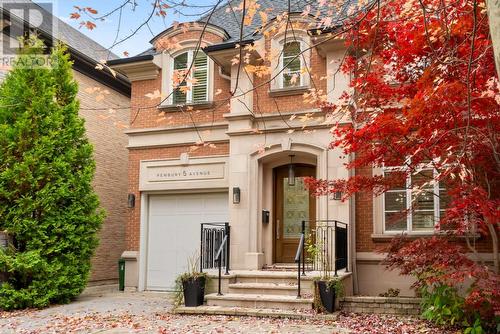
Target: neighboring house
198, 155
104, 104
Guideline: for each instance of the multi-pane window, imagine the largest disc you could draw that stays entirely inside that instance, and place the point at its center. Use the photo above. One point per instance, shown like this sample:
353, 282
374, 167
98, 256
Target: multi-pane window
292, 65
414, 205
194, 89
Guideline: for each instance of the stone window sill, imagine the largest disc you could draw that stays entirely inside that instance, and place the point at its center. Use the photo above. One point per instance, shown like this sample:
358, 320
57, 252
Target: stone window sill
388, 236
178, 107
288, 91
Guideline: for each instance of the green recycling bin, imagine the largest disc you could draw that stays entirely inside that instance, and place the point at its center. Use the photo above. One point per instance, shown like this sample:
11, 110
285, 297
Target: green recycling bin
121, 274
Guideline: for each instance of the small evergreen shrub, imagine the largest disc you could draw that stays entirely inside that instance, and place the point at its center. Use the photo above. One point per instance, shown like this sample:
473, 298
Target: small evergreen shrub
47, 203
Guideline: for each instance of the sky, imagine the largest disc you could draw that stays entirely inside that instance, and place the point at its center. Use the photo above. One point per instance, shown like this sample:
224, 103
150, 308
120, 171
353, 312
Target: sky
106, 31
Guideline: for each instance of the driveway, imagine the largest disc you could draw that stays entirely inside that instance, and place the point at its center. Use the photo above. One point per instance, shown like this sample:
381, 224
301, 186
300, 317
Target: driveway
123, 313
141, 313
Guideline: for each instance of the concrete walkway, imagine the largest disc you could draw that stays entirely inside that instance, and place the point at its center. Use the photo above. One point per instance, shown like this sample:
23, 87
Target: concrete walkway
117, 313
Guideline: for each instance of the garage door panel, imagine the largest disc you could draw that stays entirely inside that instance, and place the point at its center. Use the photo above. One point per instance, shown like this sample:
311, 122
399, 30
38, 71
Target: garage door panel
174, 233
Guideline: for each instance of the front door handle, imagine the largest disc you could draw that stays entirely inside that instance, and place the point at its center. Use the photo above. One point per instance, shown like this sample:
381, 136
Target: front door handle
277, 228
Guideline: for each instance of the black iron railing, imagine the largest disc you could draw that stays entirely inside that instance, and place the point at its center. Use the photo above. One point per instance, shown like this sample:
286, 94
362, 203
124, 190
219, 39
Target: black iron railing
331, 240
300, 255
212, 237
218, 258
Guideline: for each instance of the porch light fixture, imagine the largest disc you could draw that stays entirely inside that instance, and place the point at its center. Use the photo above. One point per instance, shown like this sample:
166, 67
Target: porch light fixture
291, 171
236, 195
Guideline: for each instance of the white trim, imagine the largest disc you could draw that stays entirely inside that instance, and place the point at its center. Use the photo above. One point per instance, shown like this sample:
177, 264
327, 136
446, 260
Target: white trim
168, 70
144, 227
277, 44
148, 169
409, 200
143, 242
282, 65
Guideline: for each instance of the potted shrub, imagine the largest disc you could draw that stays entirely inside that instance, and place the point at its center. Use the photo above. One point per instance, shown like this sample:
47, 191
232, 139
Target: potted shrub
326, 288
190, 286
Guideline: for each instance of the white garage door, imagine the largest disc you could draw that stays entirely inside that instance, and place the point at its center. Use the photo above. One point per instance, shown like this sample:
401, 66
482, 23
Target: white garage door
174, 233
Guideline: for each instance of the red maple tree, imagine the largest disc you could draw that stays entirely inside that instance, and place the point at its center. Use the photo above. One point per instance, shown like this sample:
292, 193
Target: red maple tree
425, 97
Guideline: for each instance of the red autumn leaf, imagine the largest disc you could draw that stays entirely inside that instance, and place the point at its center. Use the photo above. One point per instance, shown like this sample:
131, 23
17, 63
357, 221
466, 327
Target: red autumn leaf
90, 25
91, 10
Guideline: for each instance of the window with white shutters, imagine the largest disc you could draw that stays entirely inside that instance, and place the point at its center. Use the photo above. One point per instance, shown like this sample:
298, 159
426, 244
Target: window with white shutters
194, 89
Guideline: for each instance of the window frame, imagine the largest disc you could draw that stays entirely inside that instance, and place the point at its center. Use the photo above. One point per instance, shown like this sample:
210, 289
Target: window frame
189, 94
282, 65
278, 42
409, 200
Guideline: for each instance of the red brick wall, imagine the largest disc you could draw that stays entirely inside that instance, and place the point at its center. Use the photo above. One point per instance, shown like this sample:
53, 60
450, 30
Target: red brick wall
135, 157
263, 103
144, 110
364, 223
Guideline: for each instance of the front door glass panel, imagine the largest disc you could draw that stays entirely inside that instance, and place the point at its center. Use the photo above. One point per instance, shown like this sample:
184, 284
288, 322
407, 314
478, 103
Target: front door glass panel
295, 208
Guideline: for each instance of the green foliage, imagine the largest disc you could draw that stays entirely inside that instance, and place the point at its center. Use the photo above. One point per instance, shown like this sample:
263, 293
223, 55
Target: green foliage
442, 305
314, 251
337, 285
47, 203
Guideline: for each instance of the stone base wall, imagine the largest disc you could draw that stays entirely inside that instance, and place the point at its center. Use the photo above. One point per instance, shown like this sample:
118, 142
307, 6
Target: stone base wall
387, 305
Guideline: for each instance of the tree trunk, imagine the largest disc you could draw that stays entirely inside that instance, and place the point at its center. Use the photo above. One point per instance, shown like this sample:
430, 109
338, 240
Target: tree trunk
494, 239
493, 7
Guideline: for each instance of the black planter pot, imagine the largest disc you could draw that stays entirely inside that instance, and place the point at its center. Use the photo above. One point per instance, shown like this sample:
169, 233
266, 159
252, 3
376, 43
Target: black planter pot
194, 291
327, 296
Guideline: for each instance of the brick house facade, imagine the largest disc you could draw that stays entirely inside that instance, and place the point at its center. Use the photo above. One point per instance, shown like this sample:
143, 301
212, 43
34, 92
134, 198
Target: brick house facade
242, 146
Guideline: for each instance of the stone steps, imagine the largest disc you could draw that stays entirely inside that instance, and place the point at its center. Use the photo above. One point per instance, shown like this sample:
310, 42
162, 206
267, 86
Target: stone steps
255, 312
264, 288
265, 301
272, 277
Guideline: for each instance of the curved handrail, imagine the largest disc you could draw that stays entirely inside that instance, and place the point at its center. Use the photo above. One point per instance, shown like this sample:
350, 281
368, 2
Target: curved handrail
300, 255
219, 262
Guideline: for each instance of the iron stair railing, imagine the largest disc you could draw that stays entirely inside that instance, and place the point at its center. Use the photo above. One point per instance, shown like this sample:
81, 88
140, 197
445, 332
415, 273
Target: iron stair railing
219, 262
331, 238
211, 237
301, 255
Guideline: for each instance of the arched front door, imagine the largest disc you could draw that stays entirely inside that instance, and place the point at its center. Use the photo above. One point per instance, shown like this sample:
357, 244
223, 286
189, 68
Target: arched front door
292, 204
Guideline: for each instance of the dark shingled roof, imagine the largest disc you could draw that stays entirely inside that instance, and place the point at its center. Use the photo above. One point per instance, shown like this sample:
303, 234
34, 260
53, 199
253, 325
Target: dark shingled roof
230, 20
69, 35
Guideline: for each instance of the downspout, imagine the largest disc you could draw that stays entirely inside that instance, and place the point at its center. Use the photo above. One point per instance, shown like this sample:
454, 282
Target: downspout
352, 203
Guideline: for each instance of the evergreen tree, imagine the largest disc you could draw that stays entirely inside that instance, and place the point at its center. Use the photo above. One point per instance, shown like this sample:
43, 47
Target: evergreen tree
47, 203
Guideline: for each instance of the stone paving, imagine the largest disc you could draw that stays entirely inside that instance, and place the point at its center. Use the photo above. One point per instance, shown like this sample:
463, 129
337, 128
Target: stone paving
117, 313
124, 313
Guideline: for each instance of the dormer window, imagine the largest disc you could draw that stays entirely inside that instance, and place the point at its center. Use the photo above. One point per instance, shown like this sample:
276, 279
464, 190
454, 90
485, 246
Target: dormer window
194, 89
292, 63
293, 57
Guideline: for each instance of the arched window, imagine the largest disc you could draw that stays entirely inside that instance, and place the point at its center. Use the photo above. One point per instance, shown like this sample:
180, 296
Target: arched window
292, 62
194, 89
